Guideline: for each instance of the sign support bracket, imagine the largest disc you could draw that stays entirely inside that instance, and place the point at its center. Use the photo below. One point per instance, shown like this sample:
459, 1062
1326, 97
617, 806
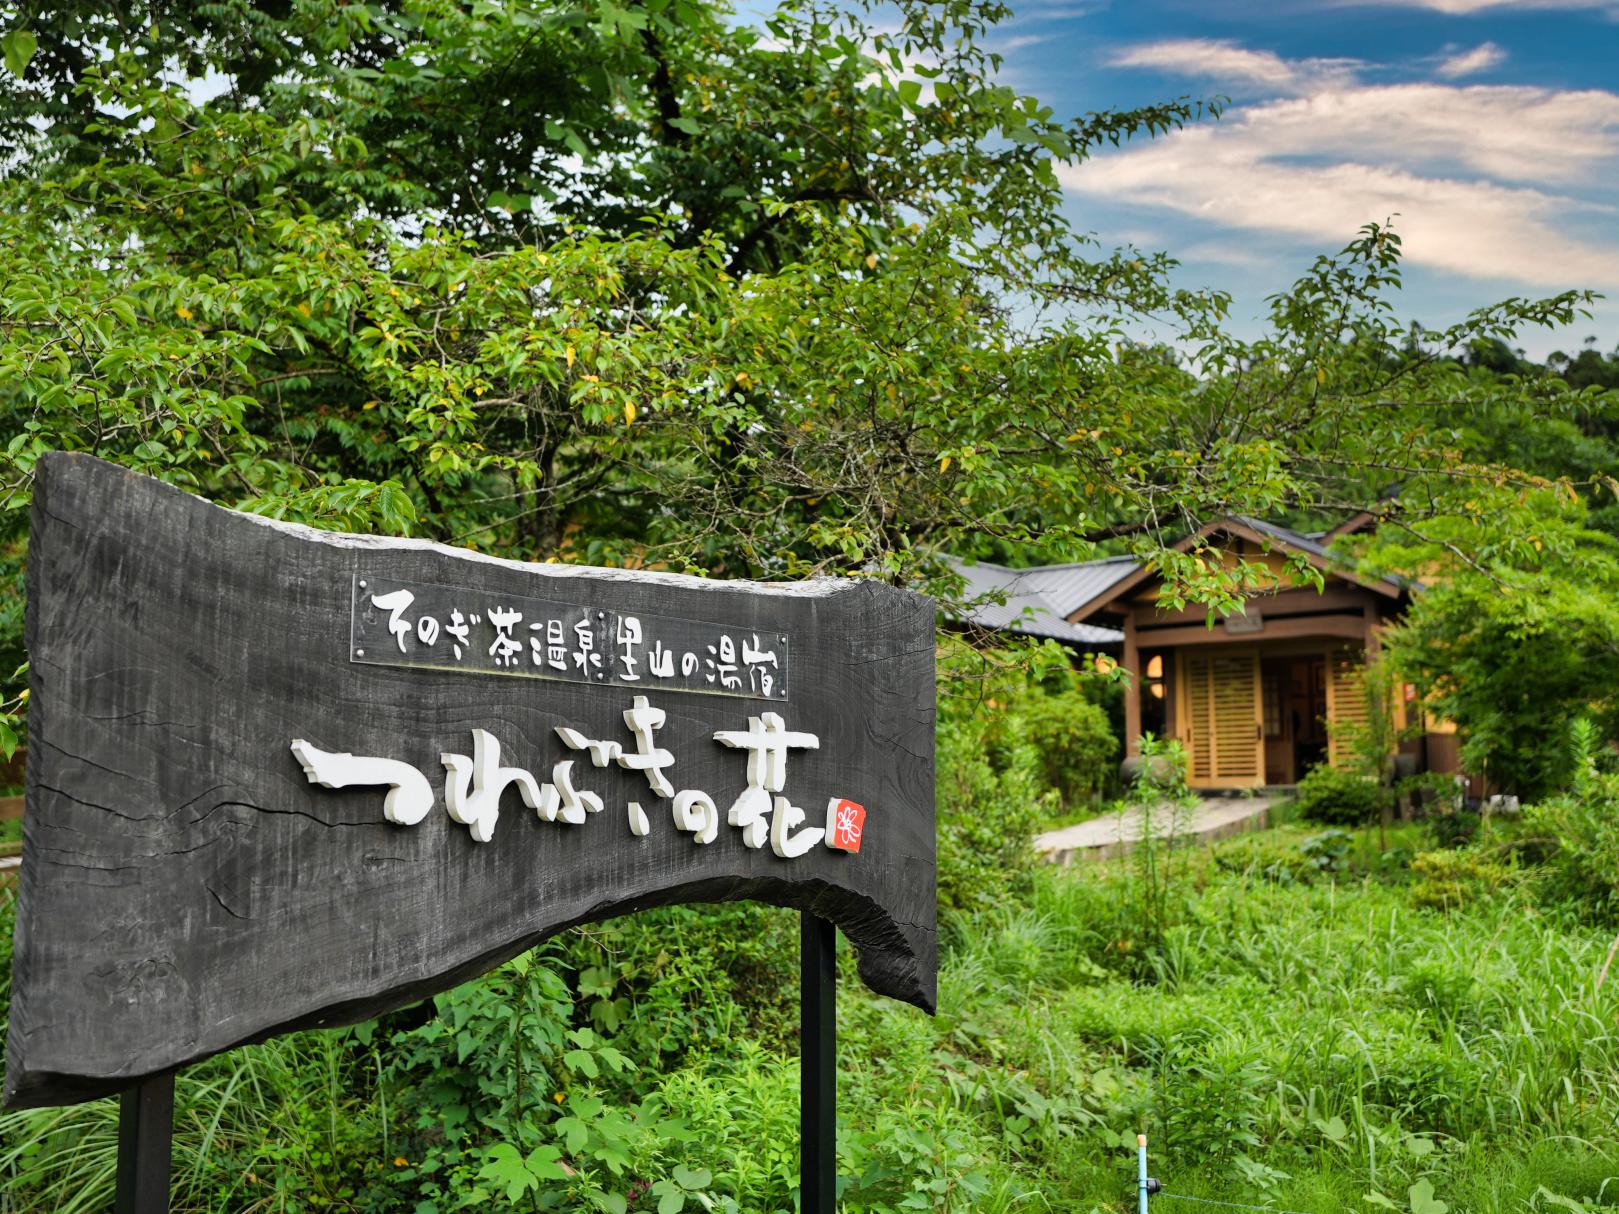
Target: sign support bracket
817, 1110
145, 1140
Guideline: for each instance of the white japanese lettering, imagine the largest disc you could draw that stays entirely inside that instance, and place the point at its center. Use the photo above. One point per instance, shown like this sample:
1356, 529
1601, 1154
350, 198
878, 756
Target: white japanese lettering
409, 794
643, 720
473, 786
394, 603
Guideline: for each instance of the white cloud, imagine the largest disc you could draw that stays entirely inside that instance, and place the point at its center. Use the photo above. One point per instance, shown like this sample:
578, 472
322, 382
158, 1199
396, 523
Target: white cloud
1479, 176
1469, 63
1218, 59
1224, 253
1513, 132
1465, 8
1008, 45
1207, 57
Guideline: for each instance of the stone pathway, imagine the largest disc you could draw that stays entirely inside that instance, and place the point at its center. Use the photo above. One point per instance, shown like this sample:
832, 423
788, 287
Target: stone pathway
1118, 834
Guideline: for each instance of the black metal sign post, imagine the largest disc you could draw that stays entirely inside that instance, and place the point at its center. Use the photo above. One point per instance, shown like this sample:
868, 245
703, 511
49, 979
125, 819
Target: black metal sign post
145, 1134
818, 1034
283, 779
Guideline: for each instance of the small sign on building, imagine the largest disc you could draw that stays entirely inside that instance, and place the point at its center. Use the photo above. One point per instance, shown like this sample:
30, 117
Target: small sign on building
1245, 622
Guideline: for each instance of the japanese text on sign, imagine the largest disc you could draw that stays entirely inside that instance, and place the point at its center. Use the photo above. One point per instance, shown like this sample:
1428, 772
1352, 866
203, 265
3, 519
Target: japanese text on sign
420, 624
473, 785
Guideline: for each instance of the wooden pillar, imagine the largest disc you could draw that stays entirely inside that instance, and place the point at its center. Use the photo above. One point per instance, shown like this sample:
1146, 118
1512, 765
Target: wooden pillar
817, 1095
145, 1129
1132, 694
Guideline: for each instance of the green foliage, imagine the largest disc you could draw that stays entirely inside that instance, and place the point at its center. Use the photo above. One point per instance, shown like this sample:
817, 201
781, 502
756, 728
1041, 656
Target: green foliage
1448, 880
651, 284
1073, 740
1266, 856
1158, 804
987, 814
1302, 1044
1281, 858
1583, 868
1337, 796
1517, 642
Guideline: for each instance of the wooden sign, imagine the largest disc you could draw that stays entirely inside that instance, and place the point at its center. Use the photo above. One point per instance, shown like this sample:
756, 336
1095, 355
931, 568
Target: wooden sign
280, 778
1247, 621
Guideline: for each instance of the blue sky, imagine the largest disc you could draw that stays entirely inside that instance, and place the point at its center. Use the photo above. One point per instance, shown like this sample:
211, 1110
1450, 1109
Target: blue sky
1489, 129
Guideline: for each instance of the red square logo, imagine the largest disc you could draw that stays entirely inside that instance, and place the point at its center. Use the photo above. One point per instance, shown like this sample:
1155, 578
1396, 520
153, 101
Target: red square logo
845, 823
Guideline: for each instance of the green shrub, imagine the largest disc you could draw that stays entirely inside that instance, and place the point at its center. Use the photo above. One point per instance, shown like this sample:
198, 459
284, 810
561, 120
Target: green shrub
1450, 880
1583, 867
1578, 831
1073, 742
1265, 856
987, 817
1337, 797
1454, 828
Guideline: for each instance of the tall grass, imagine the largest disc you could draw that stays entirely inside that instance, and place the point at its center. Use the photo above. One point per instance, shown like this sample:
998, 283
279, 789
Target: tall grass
1299, 1042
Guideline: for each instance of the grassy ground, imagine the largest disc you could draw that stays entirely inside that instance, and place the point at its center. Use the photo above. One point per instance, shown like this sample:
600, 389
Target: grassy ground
1280, 1016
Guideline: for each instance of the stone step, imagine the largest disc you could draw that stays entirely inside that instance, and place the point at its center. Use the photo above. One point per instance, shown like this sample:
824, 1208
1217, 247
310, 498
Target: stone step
1119, 834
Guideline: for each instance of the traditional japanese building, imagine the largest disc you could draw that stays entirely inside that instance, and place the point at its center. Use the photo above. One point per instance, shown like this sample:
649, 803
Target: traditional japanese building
1253, 698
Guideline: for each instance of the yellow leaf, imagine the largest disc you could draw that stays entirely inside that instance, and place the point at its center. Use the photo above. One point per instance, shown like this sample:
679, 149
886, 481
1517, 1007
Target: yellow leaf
306, 309
893, 393
569, 355
1320, 375
591, 379
183, 312
1075, 437
871, 261
370, 404
944, 464
743, 379
629, 412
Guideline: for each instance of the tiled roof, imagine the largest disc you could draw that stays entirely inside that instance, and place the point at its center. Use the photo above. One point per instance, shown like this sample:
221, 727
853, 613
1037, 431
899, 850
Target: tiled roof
1069, 587
1029, 607
1307, 543
1040, 600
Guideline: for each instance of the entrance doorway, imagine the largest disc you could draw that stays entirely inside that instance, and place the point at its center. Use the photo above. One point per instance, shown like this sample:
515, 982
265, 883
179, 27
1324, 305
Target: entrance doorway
1293, 692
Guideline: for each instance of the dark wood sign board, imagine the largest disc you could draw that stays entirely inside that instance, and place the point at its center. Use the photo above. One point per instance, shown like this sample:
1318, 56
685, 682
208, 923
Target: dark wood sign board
186, 886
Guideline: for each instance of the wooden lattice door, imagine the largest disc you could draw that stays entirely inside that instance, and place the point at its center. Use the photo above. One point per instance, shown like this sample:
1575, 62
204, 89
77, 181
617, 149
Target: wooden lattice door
1221, 715
1347, 709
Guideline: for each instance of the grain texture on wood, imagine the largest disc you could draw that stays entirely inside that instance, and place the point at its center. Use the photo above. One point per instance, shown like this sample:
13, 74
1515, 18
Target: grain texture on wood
185, 888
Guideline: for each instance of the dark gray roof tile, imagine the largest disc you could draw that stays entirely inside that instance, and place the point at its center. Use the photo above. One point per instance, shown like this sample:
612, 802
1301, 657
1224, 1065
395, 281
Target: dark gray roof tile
1028, 608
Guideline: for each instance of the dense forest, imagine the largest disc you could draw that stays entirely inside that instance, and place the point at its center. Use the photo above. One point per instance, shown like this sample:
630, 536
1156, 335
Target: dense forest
660, 285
